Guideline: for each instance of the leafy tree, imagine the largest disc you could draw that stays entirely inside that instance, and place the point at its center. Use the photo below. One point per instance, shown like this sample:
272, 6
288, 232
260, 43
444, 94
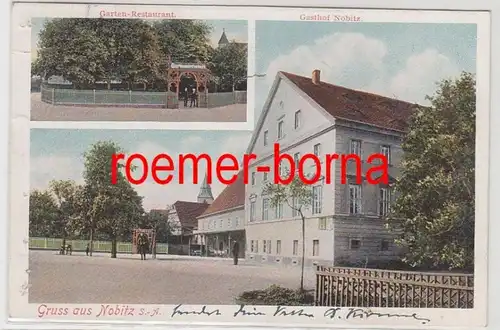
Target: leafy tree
116, 208
229, 64
436, 202
186, 41
66, 47
65, 194
298, 196
43, 214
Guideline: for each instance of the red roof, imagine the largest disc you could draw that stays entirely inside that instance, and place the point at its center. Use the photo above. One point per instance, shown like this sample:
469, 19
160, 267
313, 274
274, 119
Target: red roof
232, 196
354, 105
188, 211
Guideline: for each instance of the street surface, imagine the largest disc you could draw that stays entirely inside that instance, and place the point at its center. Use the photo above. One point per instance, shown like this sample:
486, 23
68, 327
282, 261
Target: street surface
167, 280
41, 111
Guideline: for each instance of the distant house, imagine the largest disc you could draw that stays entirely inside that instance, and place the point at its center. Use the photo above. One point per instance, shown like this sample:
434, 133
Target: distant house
182, 216
223, 222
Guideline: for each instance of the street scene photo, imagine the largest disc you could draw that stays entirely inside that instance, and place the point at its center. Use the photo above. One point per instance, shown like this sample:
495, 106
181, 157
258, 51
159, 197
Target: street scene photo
405, 91
95, 69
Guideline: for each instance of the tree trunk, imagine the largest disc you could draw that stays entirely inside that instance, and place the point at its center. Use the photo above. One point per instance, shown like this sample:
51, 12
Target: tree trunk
91, 244
113, 247
109, 84
303, 251
64, 245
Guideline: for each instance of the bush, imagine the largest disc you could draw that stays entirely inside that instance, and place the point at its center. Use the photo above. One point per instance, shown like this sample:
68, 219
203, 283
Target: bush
276, 295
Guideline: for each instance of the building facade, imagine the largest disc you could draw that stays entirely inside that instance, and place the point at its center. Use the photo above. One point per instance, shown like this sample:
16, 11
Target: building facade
344, 223
223, 222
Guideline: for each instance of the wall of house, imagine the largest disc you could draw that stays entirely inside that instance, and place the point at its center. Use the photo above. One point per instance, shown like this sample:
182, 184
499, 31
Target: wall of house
376, 243
226, 221
371, 143
286, 232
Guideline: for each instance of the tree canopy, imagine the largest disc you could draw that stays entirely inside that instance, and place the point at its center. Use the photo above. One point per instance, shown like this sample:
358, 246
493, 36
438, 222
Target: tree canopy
87, 51
96, 208
436, 199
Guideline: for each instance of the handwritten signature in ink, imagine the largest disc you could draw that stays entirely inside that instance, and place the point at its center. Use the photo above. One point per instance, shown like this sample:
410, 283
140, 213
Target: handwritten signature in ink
360, 313
203, 311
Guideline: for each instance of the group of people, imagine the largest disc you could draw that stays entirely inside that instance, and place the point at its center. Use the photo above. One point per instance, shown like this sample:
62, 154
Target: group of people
191, 95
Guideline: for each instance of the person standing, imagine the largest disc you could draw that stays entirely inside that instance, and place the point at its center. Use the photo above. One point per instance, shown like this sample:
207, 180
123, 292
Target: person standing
87, 249
236, 252
186, 97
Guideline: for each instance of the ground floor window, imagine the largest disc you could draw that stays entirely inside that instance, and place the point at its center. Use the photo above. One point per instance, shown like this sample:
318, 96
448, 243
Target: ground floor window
264, 247
269, 247
278, 247
354, 244
252, 246
315, 248
384, 245
295, 247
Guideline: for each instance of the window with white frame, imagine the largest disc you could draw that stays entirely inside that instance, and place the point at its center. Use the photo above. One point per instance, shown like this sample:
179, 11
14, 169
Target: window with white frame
265, 209
317, 199
279, 211
265, 177
315, 248
322, 223
281, 129
253, 178
264, 246
295, 250
252, 246
269, 247
384, 201
296, 159
237, 222
317, 150
295, 208
297, 119
266, 138
355, 199
229, 223
355, 148
386, 151
252, 211
221, 223
278, 247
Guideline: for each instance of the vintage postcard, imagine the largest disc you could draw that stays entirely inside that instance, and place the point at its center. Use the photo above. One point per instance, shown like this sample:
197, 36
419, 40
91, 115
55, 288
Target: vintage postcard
358, 199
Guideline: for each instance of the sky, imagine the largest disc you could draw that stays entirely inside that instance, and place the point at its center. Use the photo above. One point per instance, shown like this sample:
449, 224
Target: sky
397, 60
235, 30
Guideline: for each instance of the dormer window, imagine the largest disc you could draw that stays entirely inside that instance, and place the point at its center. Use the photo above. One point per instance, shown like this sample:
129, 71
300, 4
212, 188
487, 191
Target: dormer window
282, 105
265, 138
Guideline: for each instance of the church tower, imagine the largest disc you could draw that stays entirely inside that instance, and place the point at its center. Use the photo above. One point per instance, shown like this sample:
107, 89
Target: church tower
223, 39
205, 195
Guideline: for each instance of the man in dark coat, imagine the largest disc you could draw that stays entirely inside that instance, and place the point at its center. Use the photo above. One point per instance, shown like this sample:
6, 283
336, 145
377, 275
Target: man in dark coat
235, 251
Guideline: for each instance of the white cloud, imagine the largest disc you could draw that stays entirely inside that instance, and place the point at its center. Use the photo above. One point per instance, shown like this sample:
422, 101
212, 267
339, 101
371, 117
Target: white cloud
418, 78
346, 55
43, 169
356, 61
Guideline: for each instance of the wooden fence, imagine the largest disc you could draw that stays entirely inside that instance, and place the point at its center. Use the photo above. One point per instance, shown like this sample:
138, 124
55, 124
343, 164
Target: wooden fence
361, 287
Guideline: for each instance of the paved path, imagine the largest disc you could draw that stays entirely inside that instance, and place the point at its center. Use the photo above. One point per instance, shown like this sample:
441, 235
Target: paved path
41, 111
167, 280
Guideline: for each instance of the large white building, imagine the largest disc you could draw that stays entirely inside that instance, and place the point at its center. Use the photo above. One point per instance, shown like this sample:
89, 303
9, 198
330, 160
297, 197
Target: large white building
344, 224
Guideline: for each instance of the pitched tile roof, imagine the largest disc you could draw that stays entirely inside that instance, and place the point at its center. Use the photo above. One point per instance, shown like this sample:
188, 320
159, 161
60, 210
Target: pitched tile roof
354, 105
188, 211
232, 196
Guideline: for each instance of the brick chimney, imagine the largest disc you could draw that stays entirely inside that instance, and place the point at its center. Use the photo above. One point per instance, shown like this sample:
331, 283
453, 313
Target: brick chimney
316, 77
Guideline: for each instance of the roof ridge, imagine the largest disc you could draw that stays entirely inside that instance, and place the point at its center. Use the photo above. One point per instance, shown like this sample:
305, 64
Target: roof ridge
350, 89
